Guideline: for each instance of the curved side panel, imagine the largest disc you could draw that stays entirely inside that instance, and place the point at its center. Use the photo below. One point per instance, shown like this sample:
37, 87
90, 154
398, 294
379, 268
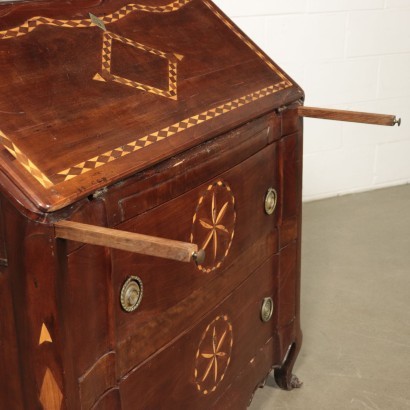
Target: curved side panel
10, 388
98, 380
110, 401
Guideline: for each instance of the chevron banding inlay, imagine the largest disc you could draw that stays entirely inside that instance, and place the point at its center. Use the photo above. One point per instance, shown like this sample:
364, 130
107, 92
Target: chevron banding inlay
34, 22
167, 132
106, 75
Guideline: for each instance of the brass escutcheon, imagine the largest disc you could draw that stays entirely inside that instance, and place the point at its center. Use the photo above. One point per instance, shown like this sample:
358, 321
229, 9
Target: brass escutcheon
271, 199
267, 309
131, 293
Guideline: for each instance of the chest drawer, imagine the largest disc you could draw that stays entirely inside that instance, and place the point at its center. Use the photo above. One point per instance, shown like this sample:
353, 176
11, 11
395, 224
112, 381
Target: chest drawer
226, 216
210, 357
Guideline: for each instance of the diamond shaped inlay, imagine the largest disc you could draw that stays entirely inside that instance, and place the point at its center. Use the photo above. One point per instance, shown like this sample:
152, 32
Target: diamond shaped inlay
106, 74
50, 395
106, 69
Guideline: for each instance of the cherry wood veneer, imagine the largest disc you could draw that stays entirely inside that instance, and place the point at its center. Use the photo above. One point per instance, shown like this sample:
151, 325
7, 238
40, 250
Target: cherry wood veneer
68, 293
157, 119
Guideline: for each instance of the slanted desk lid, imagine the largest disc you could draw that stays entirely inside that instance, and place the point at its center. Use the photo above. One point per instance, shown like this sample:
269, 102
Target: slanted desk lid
90, 94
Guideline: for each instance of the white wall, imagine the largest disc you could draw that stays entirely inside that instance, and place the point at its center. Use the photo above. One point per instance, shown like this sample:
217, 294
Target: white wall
348, 54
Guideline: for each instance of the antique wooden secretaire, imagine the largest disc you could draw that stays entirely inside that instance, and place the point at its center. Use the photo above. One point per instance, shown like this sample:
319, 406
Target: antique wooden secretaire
150, 174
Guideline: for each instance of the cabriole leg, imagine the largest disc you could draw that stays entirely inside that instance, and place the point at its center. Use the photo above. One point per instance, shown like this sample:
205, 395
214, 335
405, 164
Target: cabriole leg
284, 377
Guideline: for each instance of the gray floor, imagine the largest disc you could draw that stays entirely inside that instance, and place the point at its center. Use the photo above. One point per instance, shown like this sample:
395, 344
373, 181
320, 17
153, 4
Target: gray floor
355, 306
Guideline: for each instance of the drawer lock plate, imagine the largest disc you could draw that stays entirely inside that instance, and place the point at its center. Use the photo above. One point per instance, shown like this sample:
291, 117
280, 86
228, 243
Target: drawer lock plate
131, 293
267, 309
271, 199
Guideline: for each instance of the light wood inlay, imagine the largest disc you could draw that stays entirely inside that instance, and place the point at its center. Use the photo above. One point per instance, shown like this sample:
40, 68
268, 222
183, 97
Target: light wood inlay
213, 355
25, 161
124, 150
139, 142
107, 75
50, 395
34, 22
214, 224
167, 132
246, 40
44, 335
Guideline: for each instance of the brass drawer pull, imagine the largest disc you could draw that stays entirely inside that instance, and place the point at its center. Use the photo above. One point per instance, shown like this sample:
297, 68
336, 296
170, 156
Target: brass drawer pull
271, 200
129, 241
131, 293
267, 309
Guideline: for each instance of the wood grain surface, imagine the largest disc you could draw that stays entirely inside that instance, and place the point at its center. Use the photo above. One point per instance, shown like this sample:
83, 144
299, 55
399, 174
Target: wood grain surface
71, 291
127, 241
104, 104
136, 122
348, 116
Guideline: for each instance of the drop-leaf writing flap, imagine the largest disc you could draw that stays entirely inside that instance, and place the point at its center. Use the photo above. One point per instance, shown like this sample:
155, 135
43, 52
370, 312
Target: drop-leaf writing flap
92, 94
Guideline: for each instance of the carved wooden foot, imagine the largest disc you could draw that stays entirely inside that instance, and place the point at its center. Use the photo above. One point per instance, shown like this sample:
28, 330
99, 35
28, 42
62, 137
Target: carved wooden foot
287, 382
283, 376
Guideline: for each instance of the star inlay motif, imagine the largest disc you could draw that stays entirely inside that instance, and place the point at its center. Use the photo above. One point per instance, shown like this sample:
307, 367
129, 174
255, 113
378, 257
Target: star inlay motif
214, 224
214, 354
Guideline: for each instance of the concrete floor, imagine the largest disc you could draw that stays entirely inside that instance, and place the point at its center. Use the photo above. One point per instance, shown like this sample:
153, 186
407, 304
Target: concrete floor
355, 306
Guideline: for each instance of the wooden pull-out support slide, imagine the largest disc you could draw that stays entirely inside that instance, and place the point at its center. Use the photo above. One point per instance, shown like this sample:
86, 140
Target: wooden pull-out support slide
129, 241
349, 116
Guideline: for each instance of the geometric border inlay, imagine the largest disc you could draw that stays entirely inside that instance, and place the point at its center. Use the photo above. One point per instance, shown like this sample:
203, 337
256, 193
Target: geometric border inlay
107, 75
25, 161
141, 142
249, 43
31, 24
169, 131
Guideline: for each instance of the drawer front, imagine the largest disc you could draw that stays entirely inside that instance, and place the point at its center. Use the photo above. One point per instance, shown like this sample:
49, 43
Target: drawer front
178, 175
226, 216
194, 371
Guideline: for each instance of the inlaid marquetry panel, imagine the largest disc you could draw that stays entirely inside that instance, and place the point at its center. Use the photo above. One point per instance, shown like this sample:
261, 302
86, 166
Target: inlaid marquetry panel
110, 26
44, 335
165, 133
213, 355
106, 66
34, 22
50, 394
214, 224
24, 161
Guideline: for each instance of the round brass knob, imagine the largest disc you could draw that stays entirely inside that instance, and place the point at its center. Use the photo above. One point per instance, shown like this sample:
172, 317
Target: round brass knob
267, 309
271, 199
397, 121
131, 293
199, 257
